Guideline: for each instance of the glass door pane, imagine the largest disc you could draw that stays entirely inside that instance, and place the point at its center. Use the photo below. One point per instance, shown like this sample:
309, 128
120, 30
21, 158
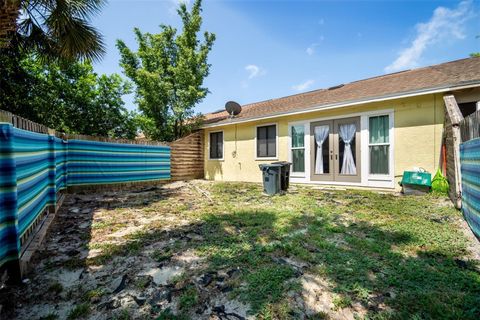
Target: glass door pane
347, 149
321, 157
326, 155
321, 135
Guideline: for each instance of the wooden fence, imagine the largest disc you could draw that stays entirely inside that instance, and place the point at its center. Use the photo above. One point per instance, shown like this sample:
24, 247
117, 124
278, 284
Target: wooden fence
22, 123
187, 157
470, 127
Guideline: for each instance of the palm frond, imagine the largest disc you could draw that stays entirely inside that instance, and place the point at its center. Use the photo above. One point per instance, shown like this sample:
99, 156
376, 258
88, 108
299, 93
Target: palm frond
78, 39
61, 28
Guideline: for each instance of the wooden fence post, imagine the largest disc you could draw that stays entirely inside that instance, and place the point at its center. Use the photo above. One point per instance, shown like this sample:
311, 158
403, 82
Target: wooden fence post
455, 116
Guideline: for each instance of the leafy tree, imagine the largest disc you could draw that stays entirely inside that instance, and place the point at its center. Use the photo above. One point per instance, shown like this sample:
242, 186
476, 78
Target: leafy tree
68, 97
52, 28
475, 54
168, 70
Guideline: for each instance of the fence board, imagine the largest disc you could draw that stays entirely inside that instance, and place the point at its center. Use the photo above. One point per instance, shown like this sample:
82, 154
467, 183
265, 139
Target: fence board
470, 127
187, 157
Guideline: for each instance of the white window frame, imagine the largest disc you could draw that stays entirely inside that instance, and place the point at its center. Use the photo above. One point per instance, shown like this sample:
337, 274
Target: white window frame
276, 141
223, 146
290, 148
376, 176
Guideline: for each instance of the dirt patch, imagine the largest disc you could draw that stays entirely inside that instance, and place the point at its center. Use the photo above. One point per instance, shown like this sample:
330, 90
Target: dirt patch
124, 253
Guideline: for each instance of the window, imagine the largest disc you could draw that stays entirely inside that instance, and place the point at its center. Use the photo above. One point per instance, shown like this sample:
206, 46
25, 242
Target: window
267, 141
379, 144
298, 148
467, 108
216, 145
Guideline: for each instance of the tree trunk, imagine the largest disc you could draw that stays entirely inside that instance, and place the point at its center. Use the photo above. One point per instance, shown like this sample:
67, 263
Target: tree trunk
175, 130
9, 11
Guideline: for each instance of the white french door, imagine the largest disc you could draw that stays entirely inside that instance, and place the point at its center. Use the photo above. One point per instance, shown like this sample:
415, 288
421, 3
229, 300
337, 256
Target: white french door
335, 150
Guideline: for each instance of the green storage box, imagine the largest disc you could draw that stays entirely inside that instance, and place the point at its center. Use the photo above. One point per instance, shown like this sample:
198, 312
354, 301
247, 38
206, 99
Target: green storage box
414, 182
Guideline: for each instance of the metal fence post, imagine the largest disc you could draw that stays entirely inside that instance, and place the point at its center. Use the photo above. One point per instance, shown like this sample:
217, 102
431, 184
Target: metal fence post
10, 249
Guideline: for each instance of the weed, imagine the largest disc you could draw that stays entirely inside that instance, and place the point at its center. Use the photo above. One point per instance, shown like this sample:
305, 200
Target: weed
50, 316
275, 311
266, 285
168, 315
73, 263
340, 302
122, 315
319, 316
161, 255
188, 299
56, 287
360, 292
142, 282
179, 278
96, 293
80, 311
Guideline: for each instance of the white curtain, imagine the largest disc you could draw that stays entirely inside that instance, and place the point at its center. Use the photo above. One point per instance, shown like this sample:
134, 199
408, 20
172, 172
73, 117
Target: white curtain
321, 133
347, 133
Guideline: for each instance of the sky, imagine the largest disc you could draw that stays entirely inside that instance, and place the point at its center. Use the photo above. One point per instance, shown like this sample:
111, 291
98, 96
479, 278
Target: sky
270, 49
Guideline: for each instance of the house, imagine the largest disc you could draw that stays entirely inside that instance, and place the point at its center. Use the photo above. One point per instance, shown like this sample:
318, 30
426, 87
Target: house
365, 133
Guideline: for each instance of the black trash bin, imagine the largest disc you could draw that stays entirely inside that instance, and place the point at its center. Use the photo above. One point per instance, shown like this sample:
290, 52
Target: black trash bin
285, 174
271, 177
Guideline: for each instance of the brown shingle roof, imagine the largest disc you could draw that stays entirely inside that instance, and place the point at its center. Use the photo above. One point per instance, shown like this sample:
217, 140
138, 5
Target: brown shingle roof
445, 75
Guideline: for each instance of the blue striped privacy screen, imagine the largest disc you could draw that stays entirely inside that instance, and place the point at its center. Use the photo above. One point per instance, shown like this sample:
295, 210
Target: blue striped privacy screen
470, 169
34, 167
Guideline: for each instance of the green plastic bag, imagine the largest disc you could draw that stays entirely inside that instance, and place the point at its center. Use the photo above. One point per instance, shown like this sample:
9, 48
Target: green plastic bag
440, 183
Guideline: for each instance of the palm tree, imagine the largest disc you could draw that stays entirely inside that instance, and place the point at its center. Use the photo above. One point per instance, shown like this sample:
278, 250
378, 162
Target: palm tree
52, 28
9, 10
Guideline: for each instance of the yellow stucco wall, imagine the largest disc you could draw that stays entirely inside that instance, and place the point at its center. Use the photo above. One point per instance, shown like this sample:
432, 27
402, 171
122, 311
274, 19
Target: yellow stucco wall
418, 124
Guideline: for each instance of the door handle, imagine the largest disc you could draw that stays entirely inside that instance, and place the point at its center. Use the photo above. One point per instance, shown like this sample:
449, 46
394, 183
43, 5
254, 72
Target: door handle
336, 156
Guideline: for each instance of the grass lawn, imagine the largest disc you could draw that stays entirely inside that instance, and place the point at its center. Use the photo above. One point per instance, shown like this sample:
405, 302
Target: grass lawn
311, 253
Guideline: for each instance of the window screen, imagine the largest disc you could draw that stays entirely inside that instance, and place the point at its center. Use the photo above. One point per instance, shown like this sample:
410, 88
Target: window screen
267, 141
298, 148
379, 144
216, 145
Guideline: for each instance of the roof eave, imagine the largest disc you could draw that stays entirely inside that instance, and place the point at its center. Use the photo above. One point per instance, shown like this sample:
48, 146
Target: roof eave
406, 94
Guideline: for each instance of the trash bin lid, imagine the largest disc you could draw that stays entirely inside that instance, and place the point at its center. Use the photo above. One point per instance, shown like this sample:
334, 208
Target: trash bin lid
265, 166
283, 163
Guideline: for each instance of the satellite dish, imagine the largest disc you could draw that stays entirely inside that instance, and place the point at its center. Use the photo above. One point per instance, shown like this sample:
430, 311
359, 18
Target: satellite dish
233, 108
